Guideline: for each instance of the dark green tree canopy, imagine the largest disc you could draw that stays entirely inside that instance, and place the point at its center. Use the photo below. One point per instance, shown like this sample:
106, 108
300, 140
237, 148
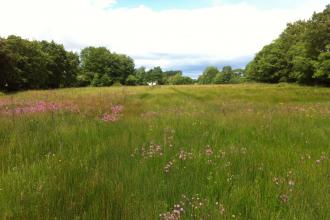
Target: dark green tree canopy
212, 75
178, 79
155, 75
28, 64
208, 75
99, 60
300, 54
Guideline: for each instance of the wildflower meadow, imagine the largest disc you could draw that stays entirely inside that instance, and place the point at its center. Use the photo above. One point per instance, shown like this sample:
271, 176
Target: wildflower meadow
248, 151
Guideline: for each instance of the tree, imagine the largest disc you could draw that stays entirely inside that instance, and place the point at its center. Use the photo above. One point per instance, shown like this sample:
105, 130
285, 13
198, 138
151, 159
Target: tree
71, 70
239, 76
141, 75
8, 75
228, 74
167, 75
121, 66
322, 66
28, 64
131, 80
208, 75
62, 66
35, 65
300, 54
155, 75
269, 65
218, 79
171, 73
317, 34
100, 80
100, 60
84, 79
178, 79
95, 60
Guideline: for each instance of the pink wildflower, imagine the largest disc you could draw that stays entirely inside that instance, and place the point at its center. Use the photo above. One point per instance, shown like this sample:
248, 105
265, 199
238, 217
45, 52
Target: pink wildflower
114, 115
208, 151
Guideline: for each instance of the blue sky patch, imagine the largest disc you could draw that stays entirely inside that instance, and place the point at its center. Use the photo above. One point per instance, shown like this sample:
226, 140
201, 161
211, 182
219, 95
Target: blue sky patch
192, 4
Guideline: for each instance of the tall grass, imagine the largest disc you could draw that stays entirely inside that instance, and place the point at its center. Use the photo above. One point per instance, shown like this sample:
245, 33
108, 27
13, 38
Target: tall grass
187, 152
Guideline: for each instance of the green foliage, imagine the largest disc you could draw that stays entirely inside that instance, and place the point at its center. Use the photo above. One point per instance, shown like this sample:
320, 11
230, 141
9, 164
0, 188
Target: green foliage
100, 80
227, 75
95, 60
322, 66
301, 54
155, 75
269, 65
208, 75
104, 63
62, 66
167, 75
84, 79
218, 79
72, 69
9, 79
29, 65
117, 84
141, 75
298, 55
239, 76
121, 67
178, 79
131, 80
35, 65
171, 73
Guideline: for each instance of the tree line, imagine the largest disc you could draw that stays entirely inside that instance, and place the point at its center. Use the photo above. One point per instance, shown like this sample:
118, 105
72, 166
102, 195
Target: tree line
301, 54
100, 67
212, 75
26, 64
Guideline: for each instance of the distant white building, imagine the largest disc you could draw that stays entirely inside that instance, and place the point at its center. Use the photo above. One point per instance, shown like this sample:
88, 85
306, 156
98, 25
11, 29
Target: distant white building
152, 83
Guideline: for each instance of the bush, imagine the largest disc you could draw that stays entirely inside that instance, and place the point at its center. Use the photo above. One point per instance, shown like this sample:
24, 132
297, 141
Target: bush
131, 80
178, 79
218, 79
84, 80
117, 83
101, 80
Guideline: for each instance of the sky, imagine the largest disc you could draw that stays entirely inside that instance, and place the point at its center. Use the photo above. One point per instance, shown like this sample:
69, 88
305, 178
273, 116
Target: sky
183, 35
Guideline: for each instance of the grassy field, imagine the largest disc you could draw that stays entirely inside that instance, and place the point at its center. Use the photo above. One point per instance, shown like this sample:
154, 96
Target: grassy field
186, 152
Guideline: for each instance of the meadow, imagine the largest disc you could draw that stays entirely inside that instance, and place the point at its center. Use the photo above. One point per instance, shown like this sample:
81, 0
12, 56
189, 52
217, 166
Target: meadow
249, 151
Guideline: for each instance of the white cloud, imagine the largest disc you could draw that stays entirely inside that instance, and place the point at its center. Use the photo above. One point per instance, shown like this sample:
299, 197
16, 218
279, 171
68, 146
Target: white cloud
103, 3
222, 32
